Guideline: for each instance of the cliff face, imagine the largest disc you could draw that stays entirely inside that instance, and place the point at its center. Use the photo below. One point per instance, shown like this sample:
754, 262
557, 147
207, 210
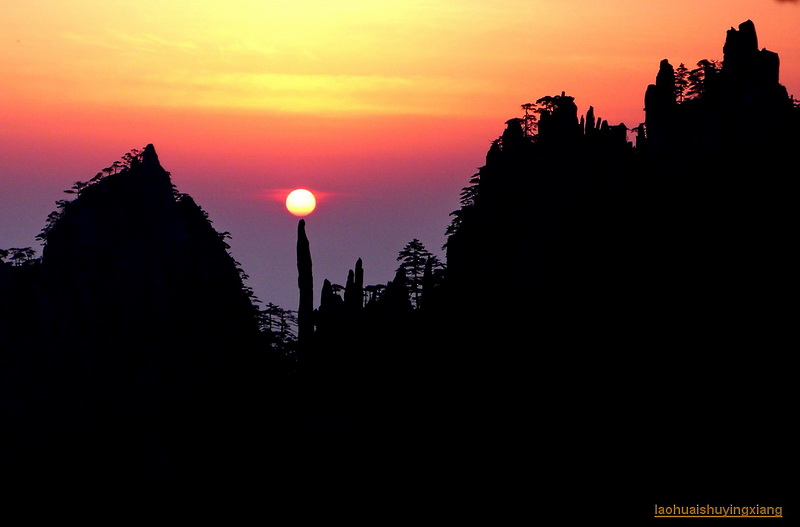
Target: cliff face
719, 199
543, 216
603, 286
572, 216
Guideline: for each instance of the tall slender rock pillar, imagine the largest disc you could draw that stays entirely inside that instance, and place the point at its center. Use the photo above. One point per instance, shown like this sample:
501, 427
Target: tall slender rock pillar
305, 281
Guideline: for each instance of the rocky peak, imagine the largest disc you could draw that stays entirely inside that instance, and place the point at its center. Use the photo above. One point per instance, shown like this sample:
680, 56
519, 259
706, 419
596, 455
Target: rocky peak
665, 79
149, 154
127, 256
744, 63
741, 42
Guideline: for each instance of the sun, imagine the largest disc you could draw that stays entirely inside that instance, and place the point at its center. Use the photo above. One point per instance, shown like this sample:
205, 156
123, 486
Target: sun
301, 202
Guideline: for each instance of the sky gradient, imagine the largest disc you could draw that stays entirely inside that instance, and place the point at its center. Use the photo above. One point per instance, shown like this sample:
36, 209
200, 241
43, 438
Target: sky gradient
383, 109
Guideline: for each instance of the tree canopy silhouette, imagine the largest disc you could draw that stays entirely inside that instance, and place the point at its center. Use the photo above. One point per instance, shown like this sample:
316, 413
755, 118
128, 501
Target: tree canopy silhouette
414, 258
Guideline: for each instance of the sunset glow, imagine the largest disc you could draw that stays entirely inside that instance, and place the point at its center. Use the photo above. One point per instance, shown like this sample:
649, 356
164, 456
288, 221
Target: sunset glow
355, 57
288, 257
301, 202
399, 100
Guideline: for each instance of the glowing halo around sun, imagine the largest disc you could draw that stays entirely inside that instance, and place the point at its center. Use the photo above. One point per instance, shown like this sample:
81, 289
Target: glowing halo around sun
301, 202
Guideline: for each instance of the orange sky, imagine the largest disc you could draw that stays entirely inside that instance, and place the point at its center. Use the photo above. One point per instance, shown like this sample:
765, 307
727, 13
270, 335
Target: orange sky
347, 59
354, 97
239, 75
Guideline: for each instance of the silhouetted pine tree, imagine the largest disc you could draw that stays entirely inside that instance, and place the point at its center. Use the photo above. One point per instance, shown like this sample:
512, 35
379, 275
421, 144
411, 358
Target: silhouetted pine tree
413, 258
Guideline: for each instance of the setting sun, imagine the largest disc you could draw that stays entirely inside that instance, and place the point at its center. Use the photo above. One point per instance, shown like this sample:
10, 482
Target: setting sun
301, 202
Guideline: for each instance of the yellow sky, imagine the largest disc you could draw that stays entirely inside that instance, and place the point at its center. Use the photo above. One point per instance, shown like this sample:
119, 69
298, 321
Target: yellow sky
449, 57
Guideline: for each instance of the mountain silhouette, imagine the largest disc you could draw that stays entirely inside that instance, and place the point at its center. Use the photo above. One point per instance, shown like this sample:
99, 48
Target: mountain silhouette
132, 345
623, 319
623, 308
132, 260
640, 284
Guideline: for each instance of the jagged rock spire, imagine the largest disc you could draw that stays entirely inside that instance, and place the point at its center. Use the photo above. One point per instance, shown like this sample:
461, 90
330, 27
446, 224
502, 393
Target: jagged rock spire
740, 42
149, 154
665, 79
354, 289
305, 282
743, 62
